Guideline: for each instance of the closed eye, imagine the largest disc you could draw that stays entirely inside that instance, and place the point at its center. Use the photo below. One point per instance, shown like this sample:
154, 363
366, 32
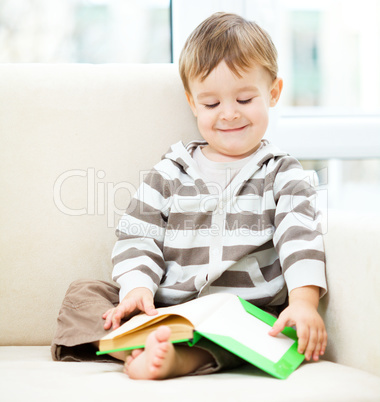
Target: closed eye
245, 102
212, 106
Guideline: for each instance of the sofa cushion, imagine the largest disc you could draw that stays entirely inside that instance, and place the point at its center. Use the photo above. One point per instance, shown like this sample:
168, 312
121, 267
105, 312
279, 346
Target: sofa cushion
28, 373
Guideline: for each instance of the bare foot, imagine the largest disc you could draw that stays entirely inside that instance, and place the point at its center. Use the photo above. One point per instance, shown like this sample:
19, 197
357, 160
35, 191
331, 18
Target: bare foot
156, 361
161, 359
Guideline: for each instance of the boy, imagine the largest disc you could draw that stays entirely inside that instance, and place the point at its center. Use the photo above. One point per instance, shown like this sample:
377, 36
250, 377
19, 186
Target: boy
231, 213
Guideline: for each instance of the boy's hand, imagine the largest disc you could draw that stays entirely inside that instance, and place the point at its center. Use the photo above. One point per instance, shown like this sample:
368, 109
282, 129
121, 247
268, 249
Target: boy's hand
302, 312
139, 299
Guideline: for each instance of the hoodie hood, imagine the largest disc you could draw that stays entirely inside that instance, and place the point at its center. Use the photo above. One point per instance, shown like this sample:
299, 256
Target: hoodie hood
182, 155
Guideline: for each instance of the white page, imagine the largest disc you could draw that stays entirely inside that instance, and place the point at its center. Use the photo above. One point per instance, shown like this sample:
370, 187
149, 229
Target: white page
195, 311
228, 321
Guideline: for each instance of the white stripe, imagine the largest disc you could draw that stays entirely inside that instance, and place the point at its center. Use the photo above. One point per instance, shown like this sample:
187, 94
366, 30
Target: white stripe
295, 219
172, 296
288, 202
293, 246
146, 244
283, 178
167, 169
133, 279
306, 273
188, 238
131, 263
136, 227
246, 237
156, 200
266, 257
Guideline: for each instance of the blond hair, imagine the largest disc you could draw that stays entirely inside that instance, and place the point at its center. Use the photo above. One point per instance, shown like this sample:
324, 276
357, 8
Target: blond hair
230, 38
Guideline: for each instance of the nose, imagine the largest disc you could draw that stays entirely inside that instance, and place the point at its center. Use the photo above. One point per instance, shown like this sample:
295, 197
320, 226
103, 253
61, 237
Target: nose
229, 112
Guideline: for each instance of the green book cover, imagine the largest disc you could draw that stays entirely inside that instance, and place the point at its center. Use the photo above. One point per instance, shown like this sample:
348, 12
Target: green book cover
280, 368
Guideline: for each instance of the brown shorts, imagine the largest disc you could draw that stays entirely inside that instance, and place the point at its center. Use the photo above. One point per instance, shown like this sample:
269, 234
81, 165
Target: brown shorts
80, 323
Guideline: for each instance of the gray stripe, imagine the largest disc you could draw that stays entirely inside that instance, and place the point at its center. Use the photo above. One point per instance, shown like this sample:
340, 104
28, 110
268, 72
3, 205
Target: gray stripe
279, 217
253, 186
158, 183
188, 285
123, 236
296, 233
250, 221
168, 187
187, 256
266, 158
235, 279
283, 165
287, 163
236, 253
271, 272
261, 302
305, 208
144, 270
182, 163
191, 221
135, 253
296, 188
302, 255
146, 213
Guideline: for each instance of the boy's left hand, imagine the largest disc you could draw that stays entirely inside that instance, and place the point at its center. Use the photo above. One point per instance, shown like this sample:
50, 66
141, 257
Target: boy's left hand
302, 312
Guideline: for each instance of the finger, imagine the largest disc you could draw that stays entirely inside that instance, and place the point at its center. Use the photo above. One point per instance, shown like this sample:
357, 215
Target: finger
117, 316
124, 309
311, 343
278, 326
148, 306
108, 323
318, 346
324, 343
104, 316
303, 336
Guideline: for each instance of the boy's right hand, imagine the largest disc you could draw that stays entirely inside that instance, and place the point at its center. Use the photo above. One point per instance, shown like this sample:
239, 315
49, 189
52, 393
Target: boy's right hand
139, 299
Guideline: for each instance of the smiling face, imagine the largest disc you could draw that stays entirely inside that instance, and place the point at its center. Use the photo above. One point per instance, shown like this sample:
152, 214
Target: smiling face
232, 111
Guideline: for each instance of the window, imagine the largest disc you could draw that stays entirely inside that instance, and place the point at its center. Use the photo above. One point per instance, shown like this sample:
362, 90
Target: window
85, 31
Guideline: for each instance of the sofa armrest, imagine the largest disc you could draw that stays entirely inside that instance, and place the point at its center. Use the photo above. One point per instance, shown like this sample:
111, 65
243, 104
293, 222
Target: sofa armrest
351, 307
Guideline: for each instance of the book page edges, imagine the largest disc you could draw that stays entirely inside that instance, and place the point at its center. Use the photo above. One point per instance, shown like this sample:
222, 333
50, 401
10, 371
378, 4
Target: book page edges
136, 338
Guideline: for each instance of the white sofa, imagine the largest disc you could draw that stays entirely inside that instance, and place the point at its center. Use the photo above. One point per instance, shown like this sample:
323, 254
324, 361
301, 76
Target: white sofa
75, 140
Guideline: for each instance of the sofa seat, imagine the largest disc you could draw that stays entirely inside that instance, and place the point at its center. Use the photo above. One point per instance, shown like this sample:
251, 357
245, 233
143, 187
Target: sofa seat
28, 373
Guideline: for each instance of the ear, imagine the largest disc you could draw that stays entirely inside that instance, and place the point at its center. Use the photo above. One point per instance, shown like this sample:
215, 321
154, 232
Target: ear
275, 92
190, 100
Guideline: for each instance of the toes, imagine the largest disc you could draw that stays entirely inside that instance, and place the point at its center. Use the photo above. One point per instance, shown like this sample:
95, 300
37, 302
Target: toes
136, 352
163, 333
128, 359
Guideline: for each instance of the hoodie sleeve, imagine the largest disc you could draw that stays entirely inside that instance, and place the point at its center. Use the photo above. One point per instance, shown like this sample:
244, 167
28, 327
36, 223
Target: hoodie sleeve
137, 255
298, 235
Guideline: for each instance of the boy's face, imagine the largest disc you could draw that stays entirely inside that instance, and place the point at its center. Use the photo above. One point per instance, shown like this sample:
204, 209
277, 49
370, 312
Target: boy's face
232, 112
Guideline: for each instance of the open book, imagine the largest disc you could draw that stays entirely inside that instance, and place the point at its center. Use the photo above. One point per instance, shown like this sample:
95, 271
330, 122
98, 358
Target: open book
224, 319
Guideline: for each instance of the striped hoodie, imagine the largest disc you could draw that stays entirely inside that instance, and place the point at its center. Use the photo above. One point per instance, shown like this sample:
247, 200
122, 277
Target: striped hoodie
259, 238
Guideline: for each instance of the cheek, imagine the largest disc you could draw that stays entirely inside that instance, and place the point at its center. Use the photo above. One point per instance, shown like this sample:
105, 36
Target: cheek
259, 113
205, 120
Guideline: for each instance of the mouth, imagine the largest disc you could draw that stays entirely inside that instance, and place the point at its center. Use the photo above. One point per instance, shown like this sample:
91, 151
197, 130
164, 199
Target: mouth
232, 130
